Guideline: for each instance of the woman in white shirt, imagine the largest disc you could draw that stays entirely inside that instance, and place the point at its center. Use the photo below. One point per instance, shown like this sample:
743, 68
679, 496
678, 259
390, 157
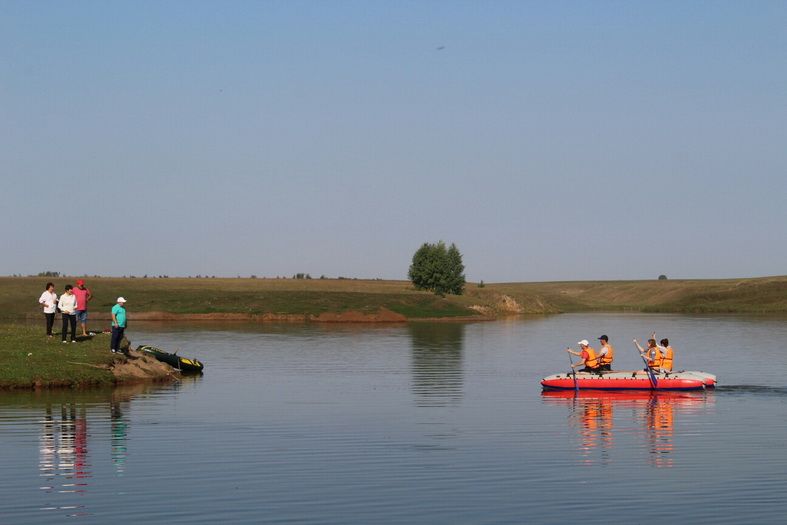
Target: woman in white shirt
68, 309
49, 300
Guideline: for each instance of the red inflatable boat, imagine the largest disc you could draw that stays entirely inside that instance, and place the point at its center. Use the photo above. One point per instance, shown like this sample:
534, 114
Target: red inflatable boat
630, 380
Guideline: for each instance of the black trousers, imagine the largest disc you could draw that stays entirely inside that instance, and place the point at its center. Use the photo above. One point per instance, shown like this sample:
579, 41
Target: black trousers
50, 322
69, 320
117, 336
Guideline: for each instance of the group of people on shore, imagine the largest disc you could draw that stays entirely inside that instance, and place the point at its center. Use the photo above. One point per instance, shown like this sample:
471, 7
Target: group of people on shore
72, 306
659, 356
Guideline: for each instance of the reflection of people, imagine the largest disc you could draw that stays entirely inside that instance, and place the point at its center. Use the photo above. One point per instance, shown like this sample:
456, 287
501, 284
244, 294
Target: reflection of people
588, 357
83, 296
597, 418
660, 426
46, 461
49, 300
656, 412
119, 433
68, 305
118, 324
606, 353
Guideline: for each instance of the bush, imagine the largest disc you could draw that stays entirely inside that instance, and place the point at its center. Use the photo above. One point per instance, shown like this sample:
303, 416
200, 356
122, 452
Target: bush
438, 269
662, 277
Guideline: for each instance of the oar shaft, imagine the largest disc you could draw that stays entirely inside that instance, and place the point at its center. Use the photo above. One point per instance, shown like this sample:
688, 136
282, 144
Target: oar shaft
654, 384
573, 372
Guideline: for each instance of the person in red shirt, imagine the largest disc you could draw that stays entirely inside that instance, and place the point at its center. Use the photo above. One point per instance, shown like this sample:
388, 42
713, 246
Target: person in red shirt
83, 296
588, 355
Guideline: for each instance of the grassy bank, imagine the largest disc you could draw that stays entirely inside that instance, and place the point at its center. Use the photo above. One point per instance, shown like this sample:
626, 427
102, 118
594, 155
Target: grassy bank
255, 297
766, 295
29, 359
18, 296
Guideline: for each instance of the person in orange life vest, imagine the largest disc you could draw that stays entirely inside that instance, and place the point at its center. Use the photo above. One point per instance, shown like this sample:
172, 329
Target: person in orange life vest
652, 354
588, 355
606, 354
667, 355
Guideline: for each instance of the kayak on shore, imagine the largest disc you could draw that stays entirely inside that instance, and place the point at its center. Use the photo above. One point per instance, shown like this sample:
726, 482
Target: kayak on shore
630, 380
183, 364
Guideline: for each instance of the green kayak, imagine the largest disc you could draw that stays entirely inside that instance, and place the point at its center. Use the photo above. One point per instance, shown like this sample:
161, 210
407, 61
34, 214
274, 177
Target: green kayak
183, 364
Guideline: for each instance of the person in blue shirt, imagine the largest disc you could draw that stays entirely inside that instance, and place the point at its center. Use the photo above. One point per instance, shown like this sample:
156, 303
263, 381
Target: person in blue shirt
118, 324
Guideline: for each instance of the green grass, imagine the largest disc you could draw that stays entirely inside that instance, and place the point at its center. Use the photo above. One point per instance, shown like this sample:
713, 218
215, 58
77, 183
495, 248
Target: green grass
766, 295
18, 296
29, 359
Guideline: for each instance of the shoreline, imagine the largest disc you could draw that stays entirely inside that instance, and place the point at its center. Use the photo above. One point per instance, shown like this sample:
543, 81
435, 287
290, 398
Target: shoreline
32, 361
350, 317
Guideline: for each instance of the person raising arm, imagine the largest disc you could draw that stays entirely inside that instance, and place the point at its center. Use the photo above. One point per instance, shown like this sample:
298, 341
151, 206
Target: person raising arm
652, 354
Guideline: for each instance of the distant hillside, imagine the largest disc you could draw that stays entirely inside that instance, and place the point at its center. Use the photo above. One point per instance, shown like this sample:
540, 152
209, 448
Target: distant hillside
760, 295
303, 298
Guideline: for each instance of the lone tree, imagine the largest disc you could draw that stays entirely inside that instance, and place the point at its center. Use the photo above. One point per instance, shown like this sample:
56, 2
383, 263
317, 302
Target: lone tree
662, 277
438, 269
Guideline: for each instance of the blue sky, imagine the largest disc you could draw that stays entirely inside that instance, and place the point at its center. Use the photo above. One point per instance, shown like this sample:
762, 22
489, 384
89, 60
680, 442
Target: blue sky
549, 141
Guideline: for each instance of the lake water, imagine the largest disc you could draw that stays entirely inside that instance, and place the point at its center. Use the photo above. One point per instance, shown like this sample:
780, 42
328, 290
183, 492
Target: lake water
420, 423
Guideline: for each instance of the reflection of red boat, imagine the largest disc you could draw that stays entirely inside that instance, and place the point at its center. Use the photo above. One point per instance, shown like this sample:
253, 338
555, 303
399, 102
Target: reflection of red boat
630, 380
594, 414
679, 397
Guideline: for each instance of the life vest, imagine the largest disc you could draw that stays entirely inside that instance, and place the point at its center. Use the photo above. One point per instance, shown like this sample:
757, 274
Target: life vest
592, 360
654, 358
607, 358
666, 358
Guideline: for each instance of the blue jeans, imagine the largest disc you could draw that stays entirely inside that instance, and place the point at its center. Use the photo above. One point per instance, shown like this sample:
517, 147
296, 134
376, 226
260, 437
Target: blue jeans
117, 336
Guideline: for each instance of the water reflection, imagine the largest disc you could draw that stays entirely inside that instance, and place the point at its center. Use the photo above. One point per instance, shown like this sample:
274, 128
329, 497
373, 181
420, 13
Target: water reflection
437, 375
71, 432
119, 432
653, 414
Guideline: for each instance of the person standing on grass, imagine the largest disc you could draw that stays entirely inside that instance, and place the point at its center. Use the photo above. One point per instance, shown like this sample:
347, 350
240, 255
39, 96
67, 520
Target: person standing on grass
68, 307
83, 295
49, 300
118, 324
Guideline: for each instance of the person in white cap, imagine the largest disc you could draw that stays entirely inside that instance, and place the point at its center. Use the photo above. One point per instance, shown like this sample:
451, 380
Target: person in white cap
588, 355
118, 324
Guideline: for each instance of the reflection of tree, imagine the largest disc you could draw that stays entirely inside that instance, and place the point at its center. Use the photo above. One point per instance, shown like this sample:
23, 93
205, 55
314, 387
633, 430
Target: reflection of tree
437, 348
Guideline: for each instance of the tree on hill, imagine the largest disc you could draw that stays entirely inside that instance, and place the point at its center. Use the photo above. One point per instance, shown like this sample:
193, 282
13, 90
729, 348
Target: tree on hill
438, 269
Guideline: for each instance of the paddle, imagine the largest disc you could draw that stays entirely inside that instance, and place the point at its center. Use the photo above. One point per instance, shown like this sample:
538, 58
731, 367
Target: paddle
573, 370
651, 376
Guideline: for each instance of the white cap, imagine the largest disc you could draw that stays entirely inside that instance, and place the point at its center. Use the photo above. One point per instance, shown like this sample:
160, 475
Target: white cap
121, 300
583, 342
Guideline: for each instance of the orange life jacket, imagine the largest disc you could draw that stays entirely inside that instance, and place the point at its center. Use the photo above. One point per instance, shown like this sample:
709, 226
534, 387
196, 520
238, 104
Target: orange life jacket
607, 358
592, 360
654, 358
666, 359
